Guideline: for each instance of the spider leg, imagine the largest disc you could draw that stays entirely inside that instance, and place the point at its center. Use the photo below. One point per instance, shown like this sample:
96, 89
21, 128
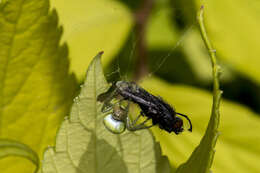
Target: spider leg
131, 125
140, 127
143, 126
120, 111
127, 106
107, 97
108, 106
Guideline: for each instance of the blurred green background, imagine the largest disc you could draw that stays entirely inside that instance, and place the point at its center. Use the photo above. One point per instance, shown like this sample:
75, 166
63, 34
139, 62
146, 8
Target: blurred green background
170, 48
158, 43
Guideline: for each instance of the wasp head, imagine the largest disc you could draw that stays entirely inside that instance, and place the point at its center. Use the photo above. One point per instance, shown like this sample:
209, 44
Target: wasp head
177, 125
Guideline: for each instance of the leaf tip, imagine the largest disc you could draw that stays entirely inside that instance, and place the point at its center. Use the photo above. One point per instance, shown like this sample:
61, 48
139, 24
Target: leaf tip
101, 53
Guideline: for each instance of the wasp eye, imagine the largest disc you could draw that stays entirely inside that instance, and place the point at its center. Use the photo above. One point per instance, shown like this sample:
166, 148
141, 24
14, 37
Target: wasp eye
113, 125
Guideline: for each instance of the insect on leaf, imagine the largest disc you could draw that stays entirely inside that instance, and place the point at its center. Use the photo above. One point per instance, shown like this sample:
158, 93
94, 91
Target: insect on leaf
83, 144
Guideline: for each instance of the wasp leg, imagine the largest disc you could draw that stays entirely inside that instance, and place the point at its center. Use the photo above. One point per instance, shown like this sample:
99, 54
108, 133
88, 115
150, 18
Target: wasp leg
131, 126
143, 123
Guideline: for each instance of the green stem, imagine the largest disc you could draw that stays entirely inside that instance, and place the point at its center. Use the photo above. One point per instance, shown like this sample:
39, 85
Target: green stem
215, 67
202, 157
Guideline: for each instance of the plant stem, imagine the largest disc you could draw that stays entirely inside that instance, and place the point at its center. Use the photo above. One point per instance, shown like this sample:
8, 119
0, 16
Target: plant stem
215, 67
202, 157
141, 18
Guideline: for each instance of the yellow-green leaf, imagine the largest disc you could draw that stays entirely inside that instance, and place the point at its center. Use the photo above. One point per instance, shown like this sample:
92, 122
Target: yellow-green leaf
35, 86
83, 144
160, 33
237, 149
92, 26
234, 30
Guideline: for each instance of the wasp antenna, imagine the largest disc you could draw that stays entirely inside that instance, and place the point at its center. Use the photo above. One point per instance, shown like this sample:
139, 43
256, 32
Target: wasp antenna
185, 116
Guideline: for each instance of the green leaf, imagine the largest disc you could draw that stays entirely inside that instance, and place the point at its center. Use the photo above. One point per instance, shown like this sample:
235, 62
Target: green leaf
92, 26
237, 149
238, 47
163, 164
160, 22
14, 148
83, 144
35, 86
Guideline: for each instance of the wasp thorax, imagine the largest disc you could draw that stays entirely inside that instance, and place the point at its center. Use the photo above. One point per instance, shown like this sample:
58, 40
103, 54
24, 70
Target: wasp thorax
114, 125
122, 85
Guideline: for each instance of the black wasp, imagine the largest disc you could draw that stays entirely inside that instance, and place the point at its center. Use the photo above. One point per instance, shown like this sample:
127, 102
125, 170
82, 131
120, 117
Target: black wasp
152, 107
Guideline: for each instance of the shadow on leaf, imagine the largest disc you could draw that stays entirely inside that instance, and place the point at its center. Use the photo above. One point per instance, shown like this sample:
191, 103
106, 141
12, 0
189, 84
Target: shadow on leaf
109, 160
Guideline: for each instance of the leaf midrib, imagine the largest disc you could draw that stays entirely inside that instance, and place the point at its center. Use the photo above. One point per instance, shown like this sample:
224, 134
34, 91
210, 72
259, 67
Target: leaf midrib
7, 62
